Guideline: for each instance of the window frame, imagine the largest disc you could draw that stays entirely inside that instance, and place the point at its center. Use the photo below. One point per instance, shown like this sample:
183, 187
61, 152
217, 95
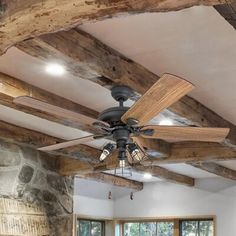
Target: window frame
198, 221
78, 219
176, 220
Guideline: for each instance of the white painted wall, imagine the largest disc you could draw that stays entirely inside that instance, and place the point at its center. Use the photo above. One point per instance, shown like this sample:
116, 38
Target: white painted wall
214, 196
92, 207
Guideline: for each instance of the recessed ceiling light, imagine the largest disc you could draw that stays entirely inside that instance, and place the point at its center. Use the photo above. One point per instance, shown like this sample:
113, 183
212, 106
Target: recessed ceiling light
55, 69
147, 176
166, 122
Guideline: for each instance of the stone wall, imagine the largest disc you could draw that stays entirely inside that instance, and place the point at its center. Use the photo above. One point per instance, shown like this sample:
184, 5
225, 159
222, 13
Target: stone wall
30, 176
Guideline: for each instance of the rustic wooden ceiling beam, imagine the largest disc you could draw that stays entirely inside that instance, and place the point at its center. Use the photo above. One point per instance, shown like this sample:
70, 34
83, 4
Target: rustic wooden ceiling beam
66, 166
105, 66
71, 167
113, 180
216, 169
184, 152
228, 11
23, 19
163, 173
11, 88
37, 139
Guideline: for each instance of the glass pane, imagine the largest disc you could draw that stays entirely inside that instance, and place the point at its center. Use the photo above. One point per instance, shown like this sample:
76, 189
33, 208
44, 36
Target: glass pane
206, 228
165, 228
148, 229
96, 229
84, 228
131, 229
189, 228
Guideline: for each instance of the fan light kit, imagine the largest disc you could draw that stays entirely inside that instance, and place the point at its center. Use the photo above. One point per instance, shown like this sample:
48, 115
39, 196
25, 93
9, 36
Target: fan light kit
126, 127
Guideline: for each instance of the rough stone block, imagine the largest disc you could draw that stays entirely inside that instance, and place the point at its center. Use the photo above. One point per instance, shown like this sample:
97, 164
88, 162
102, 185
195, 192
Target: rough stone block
40, 179
26, 174
48, 162
63, 225
30, 154
8, 179
9, 158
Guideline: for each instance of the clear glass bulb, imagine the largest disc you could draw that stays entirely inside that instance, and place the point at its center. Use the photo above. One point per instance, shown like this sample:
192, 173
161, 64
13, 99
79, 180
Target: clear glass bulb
137, 155
104, 155
122, 163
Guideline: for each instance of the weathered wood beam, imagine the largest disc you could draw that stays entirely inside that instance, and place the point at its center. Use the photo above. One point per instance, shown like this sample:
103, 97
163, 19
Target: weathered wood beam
228, 11
216, 169
23, 19
79, 50
114, 180
70, 167
82, 152
37, 139
11, 88
184, 152
163, 173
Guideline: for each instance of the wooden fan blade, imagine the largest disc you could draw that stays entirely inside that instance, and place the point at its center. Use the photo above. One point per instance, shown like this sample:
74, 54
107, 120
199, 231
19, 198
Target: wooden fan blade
182, 133
55, 110
166, 91
67, 143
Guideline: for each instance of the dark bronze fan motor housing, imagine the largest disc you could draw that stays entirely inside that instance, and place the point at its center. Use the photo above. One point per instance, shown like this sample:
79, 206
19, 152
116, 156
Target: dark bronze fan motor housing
120, 131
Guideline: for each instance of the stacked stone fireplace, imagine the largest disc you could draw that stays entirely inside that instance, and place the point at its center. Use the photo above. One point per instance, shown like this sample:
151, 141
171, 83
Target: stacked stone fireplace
34, 198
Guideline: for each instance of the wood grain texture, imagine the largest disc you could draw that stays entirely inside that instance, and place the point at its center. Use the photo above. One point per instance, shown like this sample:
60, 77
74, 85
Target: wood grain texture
185, 152
54, 110
216, 169
88, 58
66, 144
23, 19
166, 91
181, 133
113, 180
71, 167
36, 139
163, 173
10, 88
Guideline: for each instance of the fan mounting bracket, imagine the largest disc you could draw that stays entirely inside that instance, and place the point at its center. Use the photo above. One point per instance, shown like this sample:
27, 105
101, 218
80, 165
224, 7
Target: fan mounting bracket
121, 93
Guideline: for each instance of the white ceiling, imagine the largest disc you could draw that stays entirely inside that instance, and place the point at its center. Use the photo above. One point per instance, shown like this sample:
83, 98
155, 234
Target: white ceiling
196, 43
188, 170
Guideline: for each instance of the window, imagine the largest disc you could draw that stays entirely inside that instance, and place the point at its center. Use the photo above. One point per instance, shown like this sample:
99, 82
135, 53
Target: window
90, 228
149, 229
197, 227
170, 227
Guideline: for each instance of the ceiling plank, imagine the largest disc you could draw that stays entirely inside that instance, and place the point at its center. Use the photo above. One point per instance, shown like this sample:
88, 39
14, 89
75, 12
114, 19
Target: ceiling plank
216, 169
184, 152
114, 180
105, 66
163, 173
11, 88
23, 19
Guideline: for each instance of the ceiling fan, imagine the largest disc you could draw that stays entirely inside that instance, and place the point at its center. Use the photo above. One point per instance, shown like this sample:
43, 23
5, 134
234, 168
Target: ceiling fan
124, 125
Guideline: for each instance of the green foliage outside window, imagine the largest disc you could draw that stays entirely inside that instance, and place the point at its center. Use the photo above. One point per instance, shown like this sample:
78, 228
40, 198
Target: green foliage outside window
90, 228
149, 229
197, 228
